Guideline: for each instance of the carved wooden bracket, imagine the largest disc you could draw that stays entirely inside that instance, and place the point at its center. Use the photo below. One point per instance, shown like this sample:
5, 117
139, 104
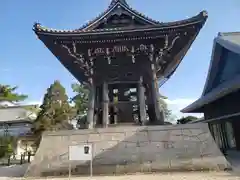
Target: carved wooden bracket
79, 59
163, 51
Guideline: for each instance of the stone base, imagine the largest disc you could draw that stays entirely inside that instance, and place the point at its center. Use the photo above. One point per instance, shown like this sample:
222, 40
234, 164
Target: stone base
122, 150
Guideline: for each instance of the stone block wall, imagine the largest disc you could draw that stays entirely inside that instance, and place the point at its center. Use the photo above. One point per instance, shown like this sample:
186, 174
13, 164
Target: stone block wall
130, 149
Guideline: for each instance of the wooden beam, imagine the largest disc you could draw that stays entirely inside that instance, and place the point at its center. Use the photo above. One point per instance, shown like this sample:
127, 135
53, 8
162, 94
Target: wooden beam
91, 105
142, 103
156, 96
123, 82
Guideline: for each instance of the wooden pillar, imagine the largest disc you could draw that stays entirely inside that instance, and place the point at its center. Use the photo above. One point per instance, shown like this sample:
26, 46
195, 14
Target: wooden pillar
115, 114
91, 103
96, 110
111, 108
150, 104
95, 120
156, 96
115, 108
105, 105
141, 100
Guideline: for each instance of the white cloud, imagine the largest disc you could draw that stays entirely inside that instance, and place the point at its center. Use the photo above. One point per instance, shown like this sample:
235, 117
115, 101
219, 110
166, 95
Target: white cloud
184, 102
175, 105
37, 102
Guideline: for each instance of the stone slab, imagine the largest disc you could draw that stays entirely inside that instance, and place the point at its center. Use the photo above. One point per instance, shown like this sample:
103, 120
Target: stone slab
119, 150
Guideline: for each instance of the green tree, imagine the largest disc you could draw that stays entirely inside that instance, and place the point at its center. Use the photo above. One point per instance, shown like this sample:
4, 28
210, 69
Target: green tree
7, 93
6, 145
187, 119
55, 111
81, 98
80, 101
164, 107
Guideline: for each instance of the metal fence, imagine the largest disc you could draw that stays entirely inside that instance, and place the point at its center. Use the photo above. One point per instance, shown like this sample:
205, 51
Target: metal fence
12, 159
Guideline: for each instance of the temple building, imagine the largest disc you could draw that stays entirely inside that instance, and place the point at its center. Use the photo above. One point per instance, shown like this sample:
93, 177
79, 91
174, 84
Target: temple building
221, 94
124, 57
16, 121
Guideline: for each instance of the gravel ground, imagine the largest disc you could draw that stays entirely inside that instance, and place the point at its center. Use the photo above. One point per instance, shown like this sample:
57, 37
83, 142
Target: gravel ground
172, 176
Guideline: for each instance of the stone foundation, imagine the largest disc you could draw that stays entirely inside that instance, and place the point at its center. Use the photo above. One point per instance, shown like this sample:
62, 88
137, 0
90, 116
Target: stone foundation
130, 149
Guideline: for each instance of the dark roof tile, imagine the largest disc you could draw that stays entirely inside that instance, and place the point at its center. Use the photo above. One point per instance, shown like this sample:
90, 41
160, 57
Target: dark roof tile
200, 17
233, 37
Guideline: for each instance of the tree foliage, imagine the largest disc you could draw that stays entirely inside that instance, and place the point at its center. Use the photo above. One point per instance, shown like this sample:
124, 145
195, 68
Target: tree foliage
7, 93
81, 98
80, 101
187, 119
55, 111
164, 107
6, 145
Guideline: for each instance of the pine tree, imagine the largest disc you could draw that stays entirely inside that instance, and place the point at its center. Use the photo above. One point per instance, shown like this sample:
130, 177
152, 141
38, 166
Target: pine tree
7, 93
55, 111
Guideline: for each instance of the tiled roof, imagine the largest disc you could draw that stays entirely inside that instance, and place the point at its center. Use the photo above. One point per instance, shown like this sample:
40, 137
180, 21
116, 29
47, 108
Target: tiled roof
113, 2
113, 5
233, 37
230, 41
200, 17
6, 103
217, 93
124, 4
14, 114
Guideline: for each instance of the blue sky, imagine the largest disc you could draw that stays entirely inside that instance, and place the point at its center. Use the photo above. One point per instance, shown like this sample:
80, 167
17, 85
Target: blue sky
25, 62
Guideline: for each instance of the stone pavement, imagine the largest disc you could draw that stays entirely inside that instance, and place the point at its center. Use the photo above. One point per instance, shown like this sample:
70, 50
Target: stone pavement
165, 176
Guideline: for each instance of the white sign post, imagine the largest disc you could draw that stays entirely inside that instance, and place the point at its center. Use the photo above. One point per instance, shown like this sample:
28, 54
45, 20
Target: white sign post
81, 153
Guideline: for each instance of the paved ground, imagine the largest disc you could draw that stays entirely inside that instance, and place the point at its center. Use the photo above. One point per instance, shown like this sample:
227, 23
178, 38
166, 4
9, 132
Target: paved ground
174, 176
13, 170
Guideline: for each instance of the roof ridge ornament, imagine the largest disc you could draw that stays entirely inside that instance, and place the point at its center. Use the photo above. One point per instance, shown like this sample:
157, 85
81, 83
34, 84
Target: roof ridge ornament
113, 2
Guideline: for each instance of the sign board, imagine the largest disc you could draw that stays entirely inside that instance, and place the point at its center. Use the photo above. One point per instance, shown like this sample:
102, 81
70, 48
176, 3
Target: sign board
80, 152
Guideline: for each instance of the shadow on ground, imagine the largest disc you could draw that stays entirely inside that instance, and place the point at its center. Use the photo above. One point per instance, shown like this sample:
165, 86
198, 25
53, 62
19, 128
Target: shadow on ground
13, 170
123, 150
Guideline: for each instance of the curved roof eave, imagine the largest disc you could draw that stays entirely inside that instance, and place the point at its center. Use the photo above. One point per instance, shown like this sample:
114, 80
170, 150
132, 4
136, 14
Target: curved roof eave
200, 18
223, 43
223, 89
111, 8
171, 70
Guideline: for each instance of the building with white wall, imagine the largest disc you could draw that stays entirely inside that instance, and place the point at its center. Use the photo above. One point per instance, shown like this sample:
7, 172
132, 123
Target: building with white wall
16, 120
